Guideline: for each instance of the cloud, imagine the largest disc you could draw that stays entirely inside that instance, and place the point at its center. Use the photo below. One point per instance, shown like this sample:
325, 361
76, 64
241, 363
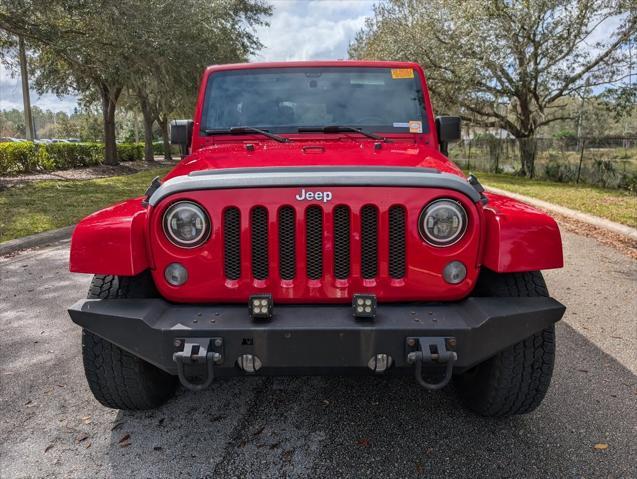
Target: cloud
311, 30
11, 96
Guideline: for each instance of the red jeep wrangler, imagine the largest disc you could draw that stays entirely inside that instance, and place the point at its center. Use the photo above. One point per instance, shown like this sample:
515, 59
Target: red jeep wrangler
316, 226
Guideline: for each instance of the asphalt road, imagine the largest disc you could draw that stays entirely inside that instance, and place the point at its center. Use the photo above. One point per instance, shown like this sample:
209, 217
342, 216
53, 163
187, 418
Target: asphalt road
50, 425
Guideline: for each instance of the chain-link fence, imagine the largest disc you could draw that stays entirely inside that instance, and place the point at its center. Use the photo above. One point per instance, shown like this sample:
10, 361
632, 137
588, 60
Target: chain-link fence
601, 161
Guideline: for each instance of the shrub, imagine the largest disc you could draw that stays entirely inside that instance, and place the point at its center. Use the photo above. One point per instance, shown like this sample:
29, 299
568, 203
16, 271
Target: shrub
559, 171
158, 148
18, 158
26, 157
130, 151
628, 182
604, 172
72, 155
565, 134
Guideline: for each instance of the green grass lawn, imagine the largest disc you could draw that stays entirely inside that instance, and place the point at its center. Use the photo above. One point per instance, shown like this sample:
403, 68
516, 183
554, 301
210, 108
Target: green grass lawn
46, 205
615, 205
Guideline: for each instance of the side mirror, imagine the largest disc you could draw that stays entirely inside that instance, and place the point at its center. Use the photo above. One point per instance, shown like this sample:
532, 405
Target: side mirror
448, 128
181, 134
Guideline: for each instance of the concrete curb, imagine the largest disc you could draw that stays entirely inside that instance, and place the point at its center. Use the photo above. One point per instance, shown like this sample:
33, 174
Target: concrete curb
576, 215
39, 239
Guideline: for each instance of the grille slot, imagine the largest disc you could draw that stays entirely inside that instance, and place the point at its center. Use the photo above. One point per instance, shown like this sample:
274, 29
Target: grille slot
259, 237
232, 243
314, 241
397, 231
342, 233
287, 242
369, 241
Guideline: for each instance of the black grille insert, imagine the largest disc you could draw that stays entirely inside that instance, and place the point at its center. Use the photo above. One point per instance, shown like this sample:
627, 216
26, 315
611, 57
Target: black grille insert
342, 233
259, 236
287, 242
232, 243
397, 240
314, 241
369, 241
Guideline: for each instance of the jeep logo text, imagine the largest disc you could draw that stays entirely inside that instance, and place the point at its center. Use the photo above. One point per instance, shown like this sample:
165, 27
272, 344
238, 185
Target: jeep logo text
323, 196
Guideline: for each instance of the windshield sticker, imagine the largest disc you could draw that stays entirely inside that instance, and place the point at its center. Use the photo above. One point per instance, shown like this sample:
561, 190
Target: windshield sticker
399, 73
415, 127
400, 125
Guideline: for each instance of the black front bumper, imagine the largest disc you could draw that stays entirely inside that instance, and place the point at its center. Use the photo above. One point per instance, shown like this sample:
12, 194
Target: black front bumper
315, 339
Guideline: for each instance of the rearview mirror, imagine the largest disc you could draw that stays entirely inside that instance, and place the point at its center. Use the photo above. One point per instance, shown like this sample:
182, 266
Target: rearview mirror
181, 134
448, 128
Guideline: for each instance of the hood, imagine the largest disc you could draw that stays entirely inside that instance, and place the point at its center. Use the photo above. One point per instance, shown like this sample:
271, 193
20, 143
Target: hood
315, 153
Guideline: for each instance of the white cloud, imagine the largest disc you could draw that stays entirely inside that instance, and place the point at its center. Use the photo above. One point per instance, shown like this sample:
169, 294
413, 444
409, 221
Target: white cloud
311, 30
11, 96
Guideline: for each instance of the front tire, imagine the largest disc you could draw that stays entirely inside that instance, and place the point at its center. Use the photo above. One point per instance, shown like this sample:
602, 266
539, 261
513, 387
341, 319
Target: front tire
118, 379
515, 380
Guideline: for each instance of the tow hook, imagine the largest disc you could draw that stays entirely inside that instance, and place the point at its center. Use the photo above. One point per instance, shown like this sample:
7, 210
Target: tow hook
431, 350
197, 351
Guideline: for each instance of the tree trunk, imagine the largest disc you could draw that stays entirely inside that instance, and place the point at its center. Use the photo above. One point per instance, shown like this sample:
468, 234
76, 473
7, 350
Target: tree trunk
527, 148
163, 123
26, 98
109, 103
148, 127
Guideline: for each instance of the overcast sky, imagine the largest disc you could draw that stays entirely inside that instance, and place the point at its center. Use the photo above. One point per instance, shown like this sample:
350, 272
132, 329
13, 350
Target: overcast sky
299, 30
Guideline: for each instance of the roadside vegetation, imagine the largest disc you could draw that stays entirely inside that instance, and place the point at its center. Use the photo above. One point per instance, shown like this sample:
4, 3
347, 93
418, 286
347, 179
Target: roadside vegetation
29, 157
615, 205
45, 205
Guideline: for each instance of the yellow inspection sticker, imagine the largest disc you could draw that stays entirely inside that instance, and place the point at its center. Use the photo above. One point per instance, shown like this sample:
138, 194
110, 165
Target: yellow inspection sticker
398, 73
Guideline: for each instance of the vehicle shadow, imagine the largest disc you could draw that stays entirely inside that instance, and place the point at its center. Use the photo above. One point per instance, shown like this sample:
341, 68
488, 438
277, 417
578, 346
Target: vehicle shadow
384, 427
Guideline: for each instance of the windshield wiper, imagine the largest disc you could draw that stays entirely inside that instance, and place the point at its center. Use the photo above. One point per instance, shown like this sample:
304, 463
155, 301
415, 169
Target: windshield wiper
240, 130
342, 129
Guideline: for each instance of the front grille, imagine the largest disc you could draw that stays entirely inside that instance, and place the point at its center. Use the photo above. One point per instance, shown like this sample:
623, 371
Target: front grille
311, 247
314, 241
287, 242
259, 237
342, 233
369, 242
232, 243
397, 253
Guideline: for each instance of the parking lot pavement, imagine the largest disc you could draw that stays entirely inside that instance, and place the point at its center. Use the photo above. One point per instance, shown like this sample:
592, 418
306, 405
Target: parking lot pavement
51, 426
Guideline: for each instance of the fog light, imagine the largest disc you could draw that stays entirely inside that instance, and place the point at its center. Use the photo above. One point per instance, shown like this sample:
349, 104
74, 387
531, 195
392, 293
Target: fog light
364, 305
260, 306
455, 272
176, 274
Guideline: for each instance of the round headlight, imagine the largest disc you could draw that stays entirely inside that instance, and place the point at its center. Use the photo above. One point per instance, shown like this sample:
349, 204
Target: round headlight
442, 222
186, 224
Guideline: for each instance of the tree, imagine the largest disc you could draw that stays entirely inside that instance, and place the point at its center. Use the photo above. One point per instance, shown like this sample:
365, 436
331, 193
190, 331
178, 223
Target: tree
99, 48
505, 63
79, 47
202, 33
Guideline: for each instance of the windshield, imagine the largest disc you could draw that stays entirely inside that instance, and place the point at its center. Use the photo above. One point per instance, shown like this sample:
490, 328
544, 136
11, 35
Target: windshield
282, 100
